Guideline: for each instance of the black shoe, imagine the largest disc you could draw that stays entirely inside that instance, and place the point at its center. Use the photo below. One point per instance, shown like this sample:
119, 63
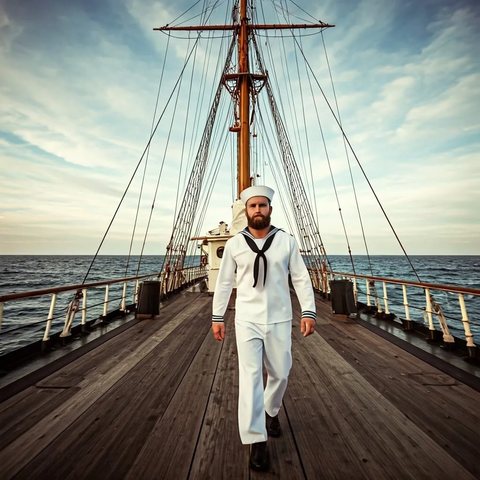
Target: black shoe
273, 426
259, 458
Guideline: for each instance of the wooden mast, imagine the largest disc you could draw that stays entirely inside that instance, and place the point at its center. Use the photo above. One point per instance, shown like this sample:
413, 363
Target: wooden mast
244, 81
243, 180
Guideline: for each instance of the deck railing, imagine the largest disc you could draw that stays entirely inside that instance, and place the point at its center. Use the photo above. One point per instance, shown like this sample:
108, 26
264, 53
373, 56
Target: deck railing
381, 302
169, 281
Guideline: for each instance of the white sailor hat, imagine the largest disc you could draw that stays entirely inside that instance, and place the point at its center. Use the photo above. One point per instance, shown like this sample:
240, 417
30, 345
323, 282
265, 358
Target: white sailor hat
256, 191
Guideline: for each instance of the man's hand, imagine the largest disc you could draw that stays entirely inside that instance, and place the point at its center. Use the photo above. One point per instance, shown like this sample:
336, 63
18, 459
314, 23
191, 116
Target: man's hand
218, 329
307, 326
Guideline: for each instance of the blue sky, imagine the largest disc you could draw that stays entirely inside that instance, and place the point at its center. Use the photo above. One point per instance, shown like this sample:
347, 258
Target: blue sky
78, 86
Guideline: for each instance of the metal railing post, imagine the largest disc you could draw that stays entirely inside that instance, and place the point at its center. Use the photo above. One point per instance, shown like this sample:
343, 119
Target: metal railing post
105, 305
367, 283
135, 293
431, 326
466, 326
385, 298
1, 314
124, 297
407, 321
84, 310
46, 335
378, 302
405, 303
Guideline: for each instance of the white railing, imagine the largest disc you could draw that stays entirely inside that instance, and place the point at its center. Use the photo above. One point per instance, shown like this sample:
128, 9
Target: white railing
169, 281
430, 310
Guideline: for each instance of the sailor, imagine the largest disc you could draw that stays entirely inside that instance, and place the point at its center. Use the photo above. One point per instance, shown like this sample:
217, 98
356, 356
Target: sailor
261, 257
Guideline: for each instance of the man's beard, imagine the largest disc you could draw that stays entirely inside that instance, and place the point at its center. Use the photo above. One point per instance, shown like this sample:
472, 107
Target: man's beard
259, 221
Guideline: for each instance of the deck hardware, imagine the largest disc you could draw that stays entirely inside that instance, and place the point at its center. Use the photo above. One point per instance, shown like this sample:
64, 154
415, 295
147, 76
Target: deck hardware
73, 308
447, 336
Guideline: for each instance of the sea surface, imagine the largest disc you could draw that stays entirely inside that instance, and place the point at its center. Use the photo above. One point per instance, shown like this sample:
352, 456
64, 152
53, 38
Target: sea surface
24, 320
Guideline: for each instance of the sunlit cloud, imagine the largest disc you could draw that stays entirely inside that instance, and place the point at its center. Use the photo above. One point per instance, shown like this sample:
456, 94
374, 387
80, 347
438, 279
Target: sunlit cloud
77, 112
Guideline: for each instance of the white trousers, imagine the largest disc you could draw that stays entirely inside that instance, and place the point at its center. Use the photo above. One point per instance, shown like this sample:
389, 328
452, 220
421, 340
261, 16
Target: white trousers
257, 345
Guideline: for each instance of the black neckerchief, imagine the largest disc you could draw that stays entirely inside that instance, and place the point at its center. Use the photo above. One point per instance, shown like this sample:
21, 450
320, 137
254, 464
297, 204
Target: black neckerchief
260, 253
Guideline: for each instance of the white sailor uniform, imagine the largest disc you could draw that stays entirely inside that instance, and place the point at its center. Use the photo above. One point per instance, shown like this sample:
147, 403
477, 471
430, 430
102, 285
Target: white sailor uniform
263, 319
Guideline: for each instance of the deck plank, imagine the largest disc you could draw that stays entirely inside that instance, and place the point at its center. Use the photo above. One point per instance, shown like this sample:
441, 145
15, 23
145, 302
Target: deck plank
220, 453
183, 420
162, 403
329, 445
35, 442
375, 424
99, 361
25, 413
285, 463
388, 421
407, 382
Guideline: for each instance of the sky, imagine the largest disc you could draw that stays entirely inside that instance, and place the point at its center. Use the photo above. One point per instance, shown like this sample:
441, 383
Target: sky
78, 88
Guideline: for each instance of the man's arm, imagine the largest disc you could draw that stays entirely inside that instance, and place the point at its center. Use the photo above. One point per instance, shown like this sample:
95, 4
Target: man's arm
223, 290
303, 288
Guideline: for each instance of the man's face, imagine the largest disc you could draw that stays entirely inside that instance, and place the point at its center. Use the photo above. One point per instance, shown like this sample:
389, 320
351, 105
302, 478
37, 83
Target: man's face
258, 211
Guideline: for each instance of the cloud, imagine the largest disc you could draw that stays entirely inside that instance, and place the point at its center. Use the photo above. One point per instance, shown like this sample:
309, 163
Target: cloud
77, 111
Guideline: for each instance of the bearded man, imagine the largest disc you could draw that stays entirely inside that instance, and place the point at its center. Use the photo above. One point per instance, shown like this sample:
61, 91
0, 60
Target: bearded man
261, 258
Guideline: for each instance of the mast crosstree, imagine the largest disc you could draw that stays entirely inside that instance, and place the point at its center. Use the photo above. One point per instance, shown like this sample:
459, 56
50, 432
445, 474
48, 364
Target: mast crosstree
243, 30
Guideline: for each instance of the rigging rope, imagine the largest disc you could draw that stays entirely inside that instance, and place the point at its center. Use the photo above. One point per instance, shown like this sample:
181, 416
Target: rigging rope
184, 134
146, 161
176, 248
163, 161
351, 175
327, 155
284, 10
204, 12
278, 177
304, 11
304, 217
360, 165
135, 170
311, 186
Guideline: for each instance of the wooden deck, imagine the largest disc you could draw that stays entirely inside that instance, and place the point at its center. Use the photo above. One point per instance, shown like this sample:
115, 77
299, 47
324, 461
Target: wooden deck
160, 401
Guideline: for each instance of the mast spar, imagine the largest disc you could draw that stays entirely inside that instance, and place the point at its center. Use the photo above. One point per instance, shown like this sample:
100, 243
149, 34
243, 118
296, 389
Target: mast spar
243, 180
244, 80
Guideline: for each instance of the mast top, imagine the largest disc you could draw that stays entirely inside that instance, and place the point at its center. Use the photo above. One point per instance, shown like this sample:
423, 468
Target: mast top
245, 83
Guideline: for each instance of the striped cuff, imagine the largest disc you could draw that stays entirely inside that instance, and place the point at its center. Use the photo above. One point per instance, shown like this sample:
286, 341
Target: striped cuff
217, 318
309, 314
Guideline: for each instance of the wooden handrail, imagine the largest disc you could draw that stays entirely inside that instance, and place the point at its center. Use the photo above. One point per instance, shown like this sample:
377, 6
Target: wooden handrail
434, 286
67, 288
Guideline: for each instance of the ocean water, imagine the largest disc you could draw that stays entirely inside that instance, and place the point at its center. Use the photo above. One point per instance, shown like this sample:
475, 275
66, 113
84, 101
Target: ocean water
24, 320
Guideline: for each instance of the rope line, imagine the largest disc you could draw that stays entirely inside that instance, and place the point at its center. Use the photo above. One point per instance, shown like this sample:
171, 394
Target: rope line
135, 170
360, 166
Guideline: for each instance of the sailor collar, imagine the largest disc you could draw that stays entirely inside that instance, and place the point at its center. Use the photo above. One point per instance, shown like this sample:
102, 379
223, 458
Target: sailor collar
250, 239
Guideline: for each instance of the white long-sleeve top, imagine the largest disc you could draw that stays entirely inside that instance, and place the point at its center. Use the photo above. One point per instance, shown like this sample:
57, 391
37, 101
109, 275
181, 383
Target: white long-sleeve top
269, 303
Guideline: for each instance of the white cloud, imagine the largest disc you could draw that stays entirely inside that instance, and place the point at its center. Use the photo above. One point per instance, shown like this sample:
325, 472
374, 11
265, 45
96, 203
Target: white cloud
76, 118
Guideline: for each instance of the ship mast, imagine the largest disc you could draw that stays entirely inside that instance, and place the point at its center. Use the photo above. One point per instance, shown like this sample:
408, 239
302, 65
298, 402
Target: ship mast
244, 80
243, 180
